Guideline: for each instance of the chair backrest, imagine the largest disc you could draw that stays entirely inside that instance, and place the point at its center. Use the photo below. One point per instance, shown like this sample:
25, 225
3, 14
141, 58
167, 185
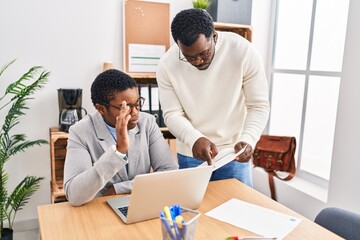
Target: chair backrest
344, 223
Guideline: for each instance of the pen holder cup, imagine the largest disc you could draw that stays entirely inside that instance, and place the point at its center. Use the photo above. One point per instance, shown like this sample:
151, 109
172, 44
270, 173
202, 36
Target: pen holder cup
172, 230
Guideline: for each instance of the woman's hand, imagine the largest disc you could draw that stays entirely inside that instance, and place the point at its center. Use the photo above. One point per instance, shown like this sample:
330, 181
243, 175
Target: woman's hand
122, 121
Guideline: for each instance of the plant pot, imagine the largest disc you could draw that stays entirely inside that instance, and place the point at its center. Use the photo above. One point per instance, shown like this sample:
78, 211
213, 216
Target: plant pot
7, 234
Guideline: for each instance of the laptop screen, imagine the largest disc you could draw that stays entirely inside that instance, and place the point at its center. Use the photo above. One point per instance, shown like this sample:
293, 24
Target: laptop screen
151, 192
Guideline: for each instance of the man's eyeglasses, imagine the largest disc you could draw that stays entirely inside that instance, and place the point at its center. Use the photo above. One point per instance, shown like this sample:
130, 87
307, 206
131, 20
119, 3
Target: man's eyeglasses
138, 105
202, 55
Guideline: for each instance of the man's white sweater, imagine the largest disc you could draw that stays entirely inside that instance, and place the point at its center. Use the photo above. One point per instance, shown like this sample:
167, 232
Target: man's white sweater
226, 103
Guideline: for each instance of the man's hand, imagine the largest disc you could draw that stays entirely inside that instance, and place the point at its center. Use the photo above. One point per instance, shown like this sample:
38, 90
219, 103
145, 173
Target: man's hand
246, 155
122, 121
204, 149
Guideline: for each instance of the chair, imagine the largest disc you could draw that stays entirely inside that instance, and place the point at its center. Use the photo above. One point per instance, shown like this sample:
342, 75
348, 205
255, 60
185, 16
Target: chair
344, 223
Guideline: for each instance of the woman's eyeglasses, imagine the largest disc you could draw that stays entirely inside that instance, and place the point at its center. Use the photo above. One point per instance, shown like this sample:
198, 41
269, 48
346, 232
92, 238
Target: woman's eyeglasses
138, 105
202, 55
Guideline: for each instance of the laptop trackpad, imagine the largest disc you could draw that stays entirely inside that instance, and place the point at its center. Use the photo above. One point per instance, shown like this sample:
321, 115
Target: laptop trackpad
121, 201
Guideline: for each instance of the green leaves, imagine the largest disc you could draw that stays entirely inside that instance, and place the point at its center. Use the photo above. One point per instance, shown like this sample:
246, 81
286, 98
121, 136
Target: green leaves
21, 93
203, 4
19, 144
16, 95
21, 195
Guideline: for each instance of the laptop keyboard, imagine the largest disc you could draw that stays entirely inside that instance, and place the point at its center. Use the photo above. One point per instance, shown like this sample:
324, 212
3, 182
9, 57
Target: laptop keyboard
124, 210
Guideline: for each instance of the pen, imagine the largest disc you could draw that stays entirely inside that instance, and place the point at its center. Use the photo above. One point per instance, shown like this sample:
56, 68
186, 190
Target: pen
173, 212
250, 238
167, 226
180, 224
179, 220
168, 216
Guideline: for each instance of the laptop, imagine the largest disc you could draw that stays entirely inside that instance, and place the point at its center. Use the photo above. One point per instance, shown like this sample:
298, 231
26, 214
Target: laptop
151, 192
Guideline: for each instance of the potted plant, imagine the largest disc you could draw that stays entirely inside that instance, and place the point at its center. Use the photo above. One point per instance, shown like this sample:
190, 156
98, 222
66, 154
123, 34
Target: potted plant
203, 4
12, 106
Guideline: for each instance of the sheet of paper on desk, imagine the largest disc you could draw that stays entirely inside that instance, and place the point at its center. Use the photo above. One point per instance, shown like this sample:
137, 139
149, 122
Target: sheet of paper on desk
223, 157
259, 220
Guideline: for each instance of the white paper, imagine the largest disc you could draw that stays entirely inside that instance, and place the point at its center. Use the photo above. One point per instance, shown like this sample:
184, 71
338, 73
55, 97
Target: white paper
259, 220
144, 57
144, 92
223, 157
155, 99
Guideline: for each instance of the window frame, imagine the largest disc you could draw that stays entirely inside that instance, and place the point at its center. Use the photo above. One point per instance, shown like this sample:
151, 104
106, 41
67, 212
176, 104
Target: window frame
306, 73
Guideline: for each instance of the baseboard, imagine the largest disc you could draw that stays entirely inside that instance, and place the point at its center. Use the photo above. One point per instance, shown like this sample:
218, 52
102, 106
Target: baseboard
26, 225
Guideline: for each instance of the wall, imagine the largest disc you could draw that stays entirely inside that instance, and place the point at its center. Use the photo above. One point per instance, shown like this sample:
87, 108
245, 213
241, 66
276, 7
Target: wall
261, 23
343, 188
234, 11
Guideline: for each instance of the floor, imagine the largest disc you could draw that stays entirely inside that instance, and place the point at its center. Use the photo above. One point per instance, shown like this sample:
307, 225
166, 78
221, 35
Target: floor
27, 235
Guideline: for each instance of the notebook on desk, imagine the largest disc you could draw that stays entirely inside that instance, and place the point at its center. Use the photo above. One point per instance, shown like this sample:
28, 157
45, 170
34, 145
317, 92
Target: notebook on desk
151, 192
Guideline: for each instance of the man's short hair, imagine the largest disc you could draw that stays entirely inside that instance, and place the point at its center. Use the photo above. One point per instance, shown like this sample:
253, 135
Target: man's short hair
189, 24
109, 82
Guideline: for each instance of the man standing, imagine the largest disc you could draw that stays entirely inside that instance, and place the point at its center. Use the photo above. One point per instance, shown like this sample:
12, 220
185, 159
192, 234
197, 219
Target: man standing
214, 94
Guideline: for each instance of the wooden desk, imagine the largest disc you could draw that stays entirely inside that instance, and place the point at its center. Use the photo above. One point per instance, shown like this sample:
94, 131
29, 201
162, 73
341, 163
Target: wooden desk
96, 220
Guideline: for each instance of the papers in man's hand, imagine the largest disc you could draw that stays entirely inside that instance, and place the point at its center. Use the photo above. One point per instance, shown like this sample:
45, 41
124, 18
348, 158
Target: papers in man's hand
223, 157
254, 218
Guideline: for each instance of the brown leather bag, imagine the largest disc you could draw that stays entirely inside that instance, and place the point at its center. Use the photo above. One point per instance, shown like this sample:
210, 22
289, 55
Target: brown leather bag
275, 153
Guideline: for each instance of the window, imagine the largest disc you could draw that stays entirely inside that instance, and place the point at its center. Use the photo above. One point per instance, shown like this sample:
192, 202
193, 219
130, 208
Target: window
305, 78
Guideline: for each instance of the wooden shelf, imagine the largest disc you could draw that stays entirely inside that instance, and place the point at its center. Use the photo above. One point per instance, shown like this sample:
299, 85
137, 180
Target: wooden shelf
58, 143
143, 77
166, 133
150, 78
243, 30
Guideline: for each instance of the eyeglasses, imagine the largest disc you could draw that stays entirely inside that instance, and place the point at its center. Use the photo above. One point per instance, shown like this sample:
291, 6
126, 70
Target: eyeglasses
138, 105
202, 55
